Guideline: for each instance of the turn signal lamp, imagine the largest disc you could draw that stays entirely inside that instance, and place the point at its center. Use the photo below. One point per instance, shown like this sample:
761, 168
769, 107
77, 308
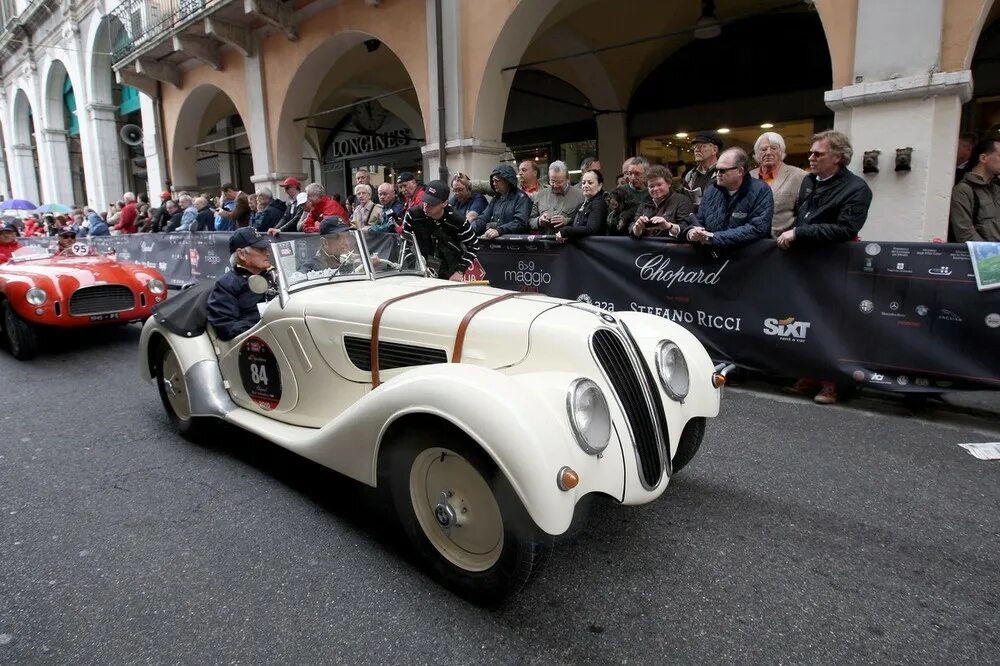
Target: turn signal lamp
567, 479
718, 380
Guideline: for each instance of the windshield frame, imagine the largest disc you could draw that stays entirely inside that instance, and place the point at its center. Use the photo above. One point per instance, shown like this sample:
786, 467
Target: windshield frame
286, 291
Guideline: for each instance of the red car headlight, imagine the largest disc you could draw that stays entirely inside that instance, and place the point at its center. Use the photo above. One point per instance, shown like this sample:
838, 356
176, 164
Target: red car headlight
156, 286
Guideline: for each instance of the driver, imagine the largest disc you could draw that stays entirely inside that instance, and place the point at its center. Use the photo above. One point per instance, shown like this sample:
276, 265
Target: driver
232, 307
66, 239
336, 250
8, 241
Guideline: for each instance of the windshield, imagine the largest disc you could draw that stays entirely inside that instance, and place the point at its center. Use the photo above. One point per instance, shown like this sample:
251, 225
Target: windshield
349, 255
30, 253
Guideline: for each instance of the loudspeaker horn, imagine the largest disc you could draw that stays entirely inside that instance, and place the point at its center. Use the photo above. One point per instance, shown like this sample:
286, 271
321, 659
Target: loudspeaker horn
131, 135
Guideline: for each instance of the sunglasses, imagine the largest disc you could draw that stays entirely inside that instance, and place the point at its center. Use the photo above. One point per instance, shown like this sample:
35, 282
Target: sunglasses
719, 171
817, 153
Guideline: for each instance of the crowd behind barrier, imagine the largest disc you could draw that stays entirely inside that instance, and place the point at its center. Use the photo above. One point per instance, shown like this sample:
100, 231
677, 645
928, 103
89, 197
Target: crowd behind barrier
894, 316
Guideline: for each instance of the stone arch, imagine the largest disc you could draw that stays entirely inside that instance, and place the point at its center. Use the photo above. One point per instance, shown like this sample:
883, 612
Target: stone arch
25, 182
303, 91
108, 163
64, 183
202, 109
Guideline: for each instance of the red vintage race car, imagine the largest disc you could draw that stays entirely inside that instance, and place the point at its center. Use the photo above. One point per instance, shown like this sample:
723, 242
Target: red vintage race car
72, 288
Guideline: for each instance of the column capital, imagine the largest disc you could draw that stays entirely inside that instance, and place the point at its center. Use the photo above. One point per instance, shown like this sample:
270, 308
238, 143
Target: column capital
895, 90
51, 134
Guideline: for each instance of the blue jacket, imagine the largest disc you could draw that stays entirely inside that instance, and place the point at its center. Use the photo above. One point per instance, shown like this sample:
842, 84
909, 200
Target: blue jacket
738, 219
476, 203
390, 216
98, 227
270, 217
232, 307
508, 214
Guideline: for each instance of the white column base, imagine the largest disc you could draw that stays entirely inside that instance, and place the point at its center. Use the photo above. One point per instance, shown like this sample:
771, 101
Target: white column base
923, 113
55, 147
473, 157
22, 174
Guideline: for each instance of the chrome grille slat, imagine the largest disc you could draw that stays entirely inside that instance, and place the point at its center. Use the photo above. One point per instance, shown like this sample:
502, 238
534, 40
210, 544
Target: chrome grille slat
101, 299
613, 357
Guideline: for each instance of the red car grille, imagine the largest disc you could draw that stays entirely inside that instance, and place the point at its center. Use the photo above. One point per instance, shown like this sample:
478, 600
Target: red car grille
101, 299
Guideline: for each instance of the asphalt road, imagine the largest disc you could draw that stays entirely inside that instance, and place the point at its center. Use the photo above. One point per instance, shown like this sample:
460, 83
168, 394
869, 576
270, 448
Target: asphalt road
800, 534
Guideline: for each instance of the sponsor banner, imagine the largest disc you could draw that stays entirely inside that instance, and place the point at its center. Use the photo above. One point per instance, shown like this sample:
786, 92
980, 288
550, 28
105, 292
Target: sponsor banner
897, 316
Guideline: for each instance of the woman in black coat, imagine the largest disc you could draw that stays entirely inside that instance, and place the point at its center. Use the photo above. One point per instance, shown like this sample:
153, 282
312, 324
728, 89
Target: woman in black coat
592, 215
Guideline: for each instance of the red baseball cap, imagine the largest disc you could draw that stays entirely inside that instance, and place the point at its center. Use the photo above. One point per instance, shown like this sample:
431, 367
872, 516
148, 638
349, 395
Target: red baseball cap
164, 195
291, 182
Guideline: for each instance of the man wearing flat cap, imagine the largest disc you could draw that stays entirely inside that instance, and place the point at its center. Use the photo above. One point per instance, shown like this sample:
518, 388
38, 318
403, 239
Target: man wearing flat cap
232, 307
706, 146
409, 189
337, 250
8, 241
445, 238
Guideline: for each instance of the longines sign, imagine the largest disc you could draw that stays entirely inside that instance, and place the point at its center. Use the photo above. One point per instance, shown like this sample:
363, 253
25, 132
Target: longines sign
371, 143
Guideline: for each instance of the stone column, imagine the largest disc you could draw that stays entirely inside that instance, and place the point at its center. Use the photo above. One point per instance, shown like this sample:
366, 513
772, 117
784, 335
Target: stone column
258, 129
54, 151
473, 157
152, 146
22, 173
105, 182
899, 99
611, 138
4, 190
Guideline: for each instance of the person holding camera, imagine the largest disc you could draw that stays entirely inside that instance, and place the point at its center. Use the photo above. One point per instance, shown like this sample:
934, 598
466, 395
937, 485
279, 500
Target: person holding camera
391, 217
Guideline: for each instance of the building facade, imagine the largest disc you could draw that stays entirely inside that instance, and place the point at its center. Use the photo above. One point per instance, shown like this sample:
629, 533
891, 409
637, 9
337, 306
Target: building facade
99, 97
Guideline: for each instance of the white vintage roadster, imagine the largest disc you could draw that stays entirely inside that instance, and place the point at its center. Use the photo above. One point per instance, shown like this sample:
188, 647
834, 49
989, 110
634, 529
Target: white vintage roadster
485, 414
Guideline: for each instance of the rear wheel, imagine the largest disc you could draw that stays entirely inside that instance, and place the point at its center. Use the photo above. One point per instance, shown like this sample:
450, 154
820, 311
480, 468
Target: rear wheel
691, 438
174, 394
462, 517
21, 336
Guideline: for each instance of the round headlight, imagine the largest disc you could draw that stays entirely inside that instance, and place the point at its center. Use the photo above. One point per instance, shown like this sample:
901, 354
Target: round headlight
156, 286
673, 370
36, 296
589, 415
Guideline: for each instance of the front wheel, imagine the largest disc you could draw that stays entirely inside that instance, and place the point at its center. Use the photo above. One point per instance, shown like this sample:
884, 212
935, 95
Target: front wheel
462, 516
174, 394
21, 337
691, 438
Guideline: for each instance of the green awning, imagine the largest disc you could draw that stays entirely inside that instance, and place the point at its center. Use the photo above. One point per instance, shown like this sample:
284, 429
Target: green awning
73, 126
130, 101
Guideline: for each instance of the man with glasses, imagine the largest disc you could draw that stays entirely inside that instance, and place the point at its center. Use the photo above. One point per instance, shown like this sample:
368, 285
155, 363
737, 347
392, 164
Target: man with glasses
706, 147
555, 207
737, 211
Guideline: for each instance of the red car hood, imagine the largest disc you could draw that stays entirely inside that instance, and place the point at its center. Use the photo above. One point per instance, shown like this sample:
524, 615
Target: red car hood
68, 274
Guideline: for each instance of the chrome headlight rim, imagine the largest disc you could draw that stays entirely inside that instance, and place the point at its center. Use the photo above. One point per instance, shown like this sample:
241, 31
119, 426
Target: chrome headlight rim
36, 296
156, 286
593, 448
676, 392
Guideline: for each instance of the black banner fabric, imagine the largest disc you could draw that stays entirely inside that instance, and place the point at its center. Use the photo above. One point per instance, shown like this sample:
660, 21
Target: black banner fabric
896, 316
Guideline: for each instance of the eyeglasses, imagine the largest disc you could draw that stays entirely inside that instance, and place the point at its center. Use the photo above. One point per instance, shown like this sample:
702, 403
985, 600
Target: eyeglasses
719, 171
817, 153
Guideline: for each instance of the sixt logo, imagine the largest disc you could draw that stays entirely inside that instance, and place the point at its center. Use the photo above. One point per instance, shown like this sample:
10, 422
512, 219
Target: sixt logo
787, 329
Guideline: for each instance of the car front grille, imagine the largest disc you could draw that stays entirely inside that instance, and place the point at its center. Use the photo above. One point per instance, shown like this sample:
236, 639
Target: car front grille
390, 354
101, 299
638, 397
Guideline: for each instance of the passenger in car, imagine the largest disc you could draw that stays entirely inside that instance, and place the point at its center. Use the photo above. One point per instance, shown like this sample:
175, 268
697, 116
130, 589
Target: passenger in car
336, 251
232, 307
8, 241
67, 236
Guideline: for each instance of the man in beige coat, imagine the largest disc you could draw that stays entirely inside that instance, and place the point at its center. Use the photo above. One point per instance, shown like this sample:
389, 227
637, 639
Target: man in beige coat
784, 179
975, 201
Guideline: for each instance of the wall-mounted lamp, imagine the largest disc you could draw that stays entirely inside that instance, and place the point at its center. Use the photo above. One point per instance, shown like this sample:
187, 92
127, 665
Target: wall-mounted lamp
869, 164
903, 158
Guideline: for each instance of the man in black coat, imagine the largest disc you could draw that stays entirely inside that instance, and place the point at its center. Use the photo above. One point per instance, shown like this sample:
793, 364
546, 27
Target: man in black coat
206, 216
271, 211
232, 307
445, 238
833, 202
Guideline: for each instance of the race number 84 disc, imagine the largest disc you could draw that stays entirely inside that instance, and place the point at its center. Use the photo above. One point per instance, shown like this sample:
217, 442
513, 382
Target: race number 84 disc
260, 374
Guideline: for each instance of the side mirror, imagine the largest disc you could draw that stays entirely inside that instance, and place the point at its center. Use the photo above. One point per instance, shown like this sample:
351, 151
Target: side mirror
258, 284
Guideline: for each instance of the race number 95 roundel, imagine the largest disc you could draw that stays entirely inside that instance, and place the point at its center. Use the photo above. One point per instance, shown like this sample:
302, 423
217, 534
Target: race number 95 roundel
260, 374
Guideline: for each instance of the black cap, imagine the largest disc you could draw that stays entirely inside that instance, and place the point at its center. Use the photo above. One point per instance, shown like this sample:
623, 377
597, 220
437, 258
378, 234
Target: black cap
405, 176
7, 226
707, 137
333, 225
248, 237
436, 192
67, 231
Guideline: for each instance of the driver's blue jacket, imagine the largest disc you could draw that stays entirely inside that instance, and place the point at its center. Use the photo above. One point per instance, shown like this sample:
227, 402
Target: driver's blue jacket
232, 307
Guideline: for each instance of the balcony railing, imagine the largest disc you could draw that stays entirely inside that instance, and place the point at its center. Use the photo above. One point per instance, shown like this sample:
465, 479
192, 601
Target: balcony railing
144, 22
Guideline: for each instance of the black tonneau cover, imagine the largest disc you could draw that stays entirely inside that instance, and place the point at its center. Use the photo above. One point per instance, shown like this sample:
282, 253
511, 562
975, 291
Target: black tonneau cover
186, 313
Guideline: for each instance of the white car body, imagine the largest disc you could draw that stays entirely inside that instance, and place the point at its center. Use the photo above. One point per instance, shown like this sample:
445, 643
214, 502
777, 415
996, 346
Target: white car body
508, 394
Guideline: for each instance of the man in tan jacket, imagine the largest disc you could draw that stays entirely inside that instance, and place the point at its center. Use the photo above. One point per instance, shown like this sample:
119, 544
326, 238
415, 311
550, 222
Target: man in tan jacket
975, 201
784, 179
